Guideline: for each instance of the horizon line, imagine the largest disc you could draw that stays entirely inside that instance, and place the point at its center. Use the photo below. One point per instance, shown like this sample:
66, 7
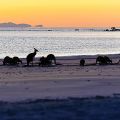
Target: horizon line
34, 25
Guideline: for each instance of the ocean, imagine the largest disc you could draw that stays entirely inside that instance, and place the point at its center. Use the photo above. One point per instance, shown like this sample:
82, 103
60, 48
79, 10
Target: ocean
58, 41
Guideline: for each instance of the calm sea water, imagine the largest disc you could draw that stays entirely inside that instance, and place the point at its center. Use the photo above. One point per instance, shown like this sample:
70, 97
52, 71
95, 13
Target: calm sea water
60, 43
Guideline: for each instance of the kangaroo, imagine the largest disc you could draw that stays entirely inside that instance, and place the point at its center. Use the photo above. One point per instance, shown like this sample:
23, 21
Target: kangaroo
51, 58
103, 60
16, 60
82, 62
7, 60
31, 56
44, 61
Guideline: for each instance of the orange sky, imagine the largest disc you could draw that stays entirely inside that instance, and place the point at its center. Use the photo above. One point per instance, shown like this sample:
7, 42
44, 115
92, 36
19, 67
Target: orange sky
62, 13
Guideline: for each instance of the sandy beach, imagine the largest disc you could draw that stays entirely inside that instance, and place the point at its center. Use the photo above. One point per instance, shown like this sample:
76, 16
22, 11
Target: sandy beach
61, 92
65, 80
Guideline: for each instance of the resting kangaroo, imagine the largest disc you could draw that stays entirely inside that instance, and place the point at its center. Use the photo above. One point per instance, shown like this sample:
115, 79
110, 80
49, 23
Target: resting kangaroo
51, 58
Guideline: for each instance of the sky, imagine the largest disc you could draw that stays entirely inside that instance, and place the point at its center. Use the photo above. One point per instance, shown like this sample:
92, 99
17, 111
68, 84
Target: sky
62, 13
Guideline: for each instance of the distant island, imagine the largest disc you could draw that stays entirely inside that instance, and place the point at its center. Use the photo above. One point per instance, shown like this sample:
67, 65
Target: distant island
11, 24
39, 26
113, 29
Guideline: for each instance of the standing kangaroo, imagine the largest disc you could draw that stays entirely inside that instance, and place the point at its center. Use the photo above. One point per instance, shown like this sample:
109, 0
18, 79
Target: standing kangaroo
31, 56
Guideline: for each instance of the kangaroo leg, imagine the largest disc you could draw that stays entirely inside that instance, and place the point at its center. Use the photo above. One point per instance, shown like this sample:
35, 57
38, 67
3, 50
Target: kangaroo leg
55, 61
27, 63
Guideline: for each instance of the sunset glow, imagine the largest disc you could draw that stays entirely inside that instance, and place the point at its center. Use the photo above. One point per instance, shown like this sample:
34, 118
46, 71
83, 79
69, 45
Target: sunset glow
62, 13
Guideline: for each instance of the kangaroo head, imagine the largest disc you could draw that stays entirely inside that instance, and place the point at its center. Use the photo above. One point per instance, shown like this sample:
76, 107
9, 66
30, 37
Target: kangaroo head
35, 50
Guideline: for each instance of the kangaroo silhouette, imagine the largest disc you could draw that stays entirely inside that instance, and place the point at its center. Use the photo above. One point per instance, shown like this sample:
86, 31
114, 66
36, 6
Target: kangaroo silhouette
103, 60
11, 61
7, 60
44, 62
31, 56
16, 60
82, 62
51, 58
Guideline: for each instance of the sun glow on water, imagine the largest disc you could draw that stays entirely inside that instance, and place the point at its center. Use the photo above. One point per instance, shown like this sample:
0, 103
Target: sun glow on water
60, 43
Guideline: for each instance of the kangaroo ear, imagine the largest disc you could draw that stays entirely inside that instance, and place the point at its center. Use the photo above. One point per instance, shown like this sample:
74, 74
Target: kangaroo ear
36, 49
